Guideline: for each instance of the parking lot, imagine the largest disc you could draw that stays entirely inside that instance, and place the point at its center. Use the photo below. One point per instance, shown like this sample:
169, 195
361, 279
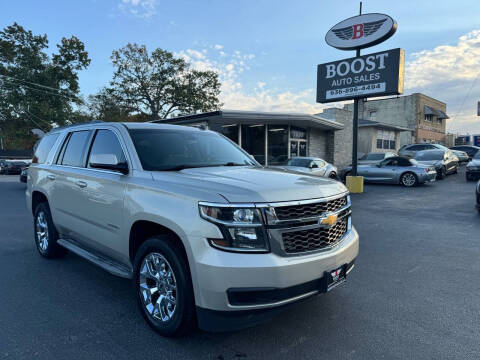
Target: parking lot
413, 293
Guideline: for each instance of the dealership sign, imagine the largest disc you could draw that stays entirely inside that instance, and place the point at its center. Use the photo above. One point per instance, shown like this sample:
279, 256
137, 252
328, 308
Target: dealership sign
361, 31
375, 74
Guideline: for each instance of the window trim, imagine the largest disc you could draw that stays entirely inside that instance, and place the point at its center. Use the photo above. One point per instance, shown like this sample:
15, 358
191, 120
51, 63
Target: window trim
65, 146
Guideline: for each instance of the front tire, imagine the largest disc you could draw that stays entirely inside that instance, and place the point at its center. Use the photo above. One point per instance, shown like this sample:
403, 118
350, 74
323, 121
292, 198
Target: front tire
46, 235
164, 287
409, 179
442, 174
333, 175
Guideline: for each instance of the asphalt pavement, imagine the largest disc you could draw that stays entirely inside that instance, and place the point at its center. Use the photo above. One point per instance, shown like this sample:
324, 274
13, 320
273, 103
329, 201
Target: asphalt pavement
414, 293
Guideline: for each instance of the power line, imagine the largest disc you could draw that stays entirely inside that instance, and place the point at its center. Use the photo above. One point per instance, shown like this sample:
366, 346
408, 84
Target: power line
46, 92
37, 84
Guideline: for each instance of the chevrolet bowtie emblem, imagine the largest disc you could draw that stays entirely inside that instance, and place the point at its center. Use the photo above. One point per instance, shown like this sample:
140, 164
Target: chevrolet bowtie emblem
330, 220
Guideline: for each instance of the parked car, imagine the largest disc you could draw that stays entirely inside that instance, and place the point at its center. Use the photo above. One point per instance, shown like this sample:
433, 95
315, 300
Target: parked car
311, 165
24, 175
412, 149
207, 233
461, 155
477, 192
469, 149
14, 167
445, 162
374, 157
396, 170
472, 170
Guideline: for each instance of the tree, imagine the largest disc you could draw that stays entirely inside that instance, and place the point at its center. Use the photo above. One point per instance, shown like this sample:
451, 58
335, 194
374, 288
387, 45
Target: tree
37, 90
158, 85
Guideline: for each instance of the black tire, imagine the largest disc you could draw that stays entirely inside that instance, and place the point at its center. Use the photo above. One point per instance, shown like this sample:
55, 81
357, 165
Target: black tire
442, 174
183, 319
348, 173
333, 175
409, 179
42, 218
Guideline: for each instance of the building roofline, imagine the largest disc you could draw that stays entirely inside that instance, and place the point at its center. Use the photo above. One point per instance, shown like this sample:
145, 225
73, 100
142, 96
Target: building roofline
243, 116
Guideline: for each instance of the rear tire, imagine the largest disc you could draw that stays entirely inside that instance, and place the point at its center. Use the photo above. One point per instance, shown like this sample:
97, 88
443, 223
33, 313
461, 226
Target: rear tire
164, 287
45, 234
408, 179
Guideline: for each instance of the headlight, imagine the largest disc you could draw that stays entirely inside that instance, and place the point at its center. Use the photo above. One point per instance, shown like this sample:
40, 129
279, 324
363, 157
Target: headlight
241, 227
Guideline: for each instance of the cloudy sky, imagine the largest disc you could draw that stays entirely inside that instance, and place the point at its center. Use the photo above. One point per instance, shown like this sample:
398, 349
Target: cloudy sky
266, 51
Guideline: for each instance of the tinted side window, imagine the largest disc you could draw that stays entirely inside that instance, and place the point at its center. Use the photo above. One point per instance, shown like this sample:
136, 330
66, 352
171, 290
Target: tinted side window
106, 142
43, 148
75, 150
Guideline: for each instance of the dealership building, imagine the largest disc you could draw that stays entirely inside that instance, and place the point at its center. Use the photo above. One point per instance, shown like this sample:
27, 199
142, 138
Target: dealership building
384, 125
272, 138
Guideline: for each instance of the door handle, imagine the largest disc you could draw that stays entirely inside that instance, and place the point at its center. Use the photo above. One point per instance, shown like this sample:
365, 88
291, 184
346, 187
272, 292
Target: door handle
81, 184
51, 177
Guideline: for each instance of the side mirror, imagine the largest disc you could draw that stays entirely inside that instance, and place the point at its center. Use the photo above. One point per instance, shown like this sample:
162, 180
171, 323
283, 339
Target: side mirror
108, 162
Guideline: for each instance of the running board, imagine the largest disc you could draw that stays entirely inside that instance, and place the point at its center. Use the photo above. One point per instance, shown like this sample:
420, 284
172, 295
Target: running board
113, 267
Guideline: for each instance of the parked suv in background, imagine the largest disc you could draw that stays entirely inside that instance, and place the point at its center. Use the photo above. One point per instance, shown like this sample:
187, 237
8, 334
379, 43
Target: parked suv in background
412, 149
204, 231
471, 150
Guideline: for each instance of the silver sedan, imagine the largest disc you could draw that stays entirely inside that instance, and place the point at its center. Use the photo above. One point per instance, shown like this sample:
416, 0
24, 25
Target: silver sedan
311, 165
396, 170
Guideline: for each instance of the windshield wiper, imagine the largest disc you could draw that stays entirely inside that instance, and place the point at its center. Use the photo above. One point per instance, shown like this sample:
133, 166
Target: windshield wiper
233, 164
184, 166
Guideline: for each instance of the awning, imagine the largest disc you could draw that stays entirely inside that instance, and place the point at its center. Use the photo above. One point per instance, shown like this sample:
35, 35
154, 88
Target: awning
427, 110
225, 117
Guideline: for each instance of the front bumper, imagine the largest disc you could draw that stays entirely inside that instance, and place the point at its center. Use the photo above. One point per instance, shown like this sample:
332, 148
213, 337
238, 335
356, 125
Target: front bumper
472, 174
217, 273
427, 177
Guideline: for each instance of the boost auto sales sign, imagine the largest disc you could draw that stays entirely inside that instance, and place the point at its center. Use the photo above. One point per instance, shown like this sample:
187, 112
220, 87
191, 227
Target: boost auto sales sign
375, 74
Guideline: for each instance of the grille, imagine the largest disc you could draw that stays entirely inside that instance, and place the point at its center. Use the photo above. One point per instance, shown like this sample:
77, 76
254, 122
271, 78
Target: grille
309, 210
314, 239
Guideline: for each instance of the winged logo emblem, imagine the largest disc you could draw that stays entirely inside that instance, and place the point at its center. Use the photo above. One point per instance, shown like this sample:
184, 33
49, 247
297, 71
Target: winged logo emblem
358, 30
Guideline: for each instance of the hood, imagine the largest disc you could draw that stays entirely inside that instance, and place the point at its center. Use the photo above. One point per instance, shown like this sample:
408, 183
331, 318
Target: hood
474, 162
295, 168
249, 184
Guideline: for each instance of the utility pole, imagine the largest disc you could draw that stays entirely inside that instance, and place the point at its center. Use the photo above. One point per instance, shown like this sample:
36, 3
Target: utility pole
355, 124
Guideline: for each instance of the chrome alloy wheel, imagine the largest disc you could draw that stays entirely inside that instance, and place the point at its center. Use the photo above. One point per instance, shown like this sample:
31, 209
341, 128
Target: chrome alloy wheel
158, 287
41, 231
408, 179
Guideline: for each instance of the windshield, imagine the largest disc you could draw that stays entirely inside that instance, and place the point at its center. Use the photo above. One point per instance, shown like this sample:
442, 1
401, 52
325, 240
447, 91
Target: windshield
372, 156
300, 162
166, 149
429, 155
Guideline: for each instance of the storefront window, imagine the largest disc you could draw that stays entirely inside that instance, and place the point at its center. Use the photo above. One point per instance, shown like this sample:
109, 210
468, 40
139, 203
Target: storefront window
277, 144
230, 131
253, 141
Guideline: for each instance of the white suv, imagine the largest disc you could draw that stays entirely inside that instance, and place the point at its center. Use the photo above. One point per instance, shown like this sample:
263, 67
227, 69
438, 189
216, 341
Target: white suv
207, 234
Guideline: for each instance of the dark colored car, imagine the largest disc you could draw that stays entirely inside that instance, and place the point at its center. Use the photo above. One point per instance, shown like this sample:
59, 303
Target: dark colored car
15, 167
444, 161
472, 170
469, 149
23, 175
